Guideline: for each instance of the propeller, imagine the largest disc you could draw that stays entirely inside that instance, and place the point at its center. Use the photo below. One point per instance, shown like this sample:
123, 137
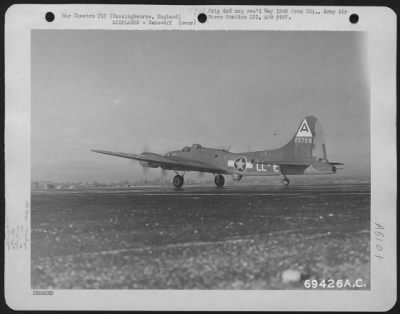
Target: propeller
135, 163
163, 172
146, 148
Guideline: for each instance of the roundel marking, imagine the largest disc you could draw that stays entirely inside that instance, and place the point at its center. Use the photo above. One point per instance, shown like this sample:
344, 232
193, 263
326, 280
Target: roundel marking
240, 164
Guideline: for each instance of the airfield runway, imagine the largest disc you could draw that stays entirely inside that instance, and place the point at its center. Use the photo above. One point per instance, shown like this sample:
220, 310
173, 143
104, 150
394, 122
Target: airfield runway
237, 237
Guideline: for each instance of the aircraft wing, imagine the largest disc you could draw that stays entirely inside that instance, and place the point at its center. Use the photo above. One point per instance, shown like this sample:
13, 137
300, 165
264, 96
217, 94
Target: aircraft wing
168, 163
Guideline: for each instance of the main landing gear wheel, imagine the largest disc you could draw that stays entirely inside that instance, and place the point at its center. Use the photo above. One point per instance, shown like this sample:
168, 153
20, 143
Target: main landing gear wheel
219, 180
285, 181
178, 181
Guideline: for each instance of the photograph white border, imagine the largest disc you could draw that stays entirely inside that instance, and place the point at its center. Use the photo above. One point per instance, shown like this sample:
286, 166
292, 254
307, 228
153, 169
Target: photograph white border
380, 25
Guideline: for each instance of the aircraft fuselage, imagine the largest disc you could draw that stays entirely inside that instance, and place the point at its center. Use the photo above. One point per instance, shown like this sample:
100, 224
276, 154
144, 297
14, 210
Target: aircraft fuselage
305, 153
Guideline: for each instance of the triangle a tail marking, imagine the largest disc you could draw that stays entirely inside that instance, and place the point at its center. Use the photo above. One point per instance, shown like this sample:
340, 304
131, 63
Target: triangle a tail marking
304, 130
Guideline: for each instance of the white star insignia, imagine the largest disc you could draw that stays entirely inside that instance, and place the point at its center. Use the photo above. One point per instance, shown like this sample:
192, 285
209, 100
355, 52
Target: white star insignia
240, 164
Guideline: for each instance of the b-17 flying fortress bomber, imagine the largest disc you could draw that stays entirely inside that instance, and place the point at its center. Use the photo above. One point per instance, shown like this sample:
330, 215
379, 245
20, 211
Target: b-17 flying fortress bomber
305, 153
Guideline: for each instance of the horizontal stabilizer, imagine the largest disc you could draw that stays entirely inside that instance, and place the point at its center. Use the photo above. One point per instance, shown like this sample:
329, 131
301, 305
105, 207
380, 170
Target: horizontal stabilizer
289, 163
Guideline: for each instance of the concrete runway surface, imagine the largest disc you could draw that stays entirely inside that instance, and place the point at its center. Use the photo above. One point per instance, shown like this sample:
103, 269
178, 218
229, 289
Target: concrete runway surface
237, 237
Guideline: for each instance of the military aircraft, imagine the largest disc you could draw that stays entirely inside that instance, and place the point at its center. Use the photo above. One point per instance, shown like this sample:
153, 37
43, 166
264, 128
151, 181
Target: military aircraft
305, 153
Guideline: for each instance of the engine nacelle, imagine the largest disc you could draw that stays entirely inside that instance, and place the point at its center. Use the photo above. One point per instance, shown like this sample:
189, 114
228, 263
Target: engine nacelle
147, 164
236, 177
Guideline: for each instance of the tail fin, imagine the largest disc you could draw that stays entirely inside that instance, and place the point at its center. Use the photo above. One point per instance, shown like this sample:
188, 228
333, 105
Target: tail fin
308, 144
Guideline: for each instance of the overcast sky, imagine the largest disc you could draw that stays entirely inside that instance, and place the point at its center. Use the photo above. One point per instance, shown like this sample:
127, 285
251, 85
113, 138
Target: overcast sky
162, 90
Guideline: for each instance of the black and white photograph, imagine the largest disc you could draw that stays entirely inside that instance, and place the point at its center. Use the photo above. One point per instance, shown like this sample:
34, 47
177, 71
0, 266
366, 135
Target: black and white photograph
221, 175
187, 159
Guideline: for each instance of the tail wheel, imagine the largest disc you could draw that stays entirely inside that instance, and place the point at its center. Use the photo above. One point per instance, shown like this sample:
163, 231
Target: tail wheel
285, 181
178, 181
219, 180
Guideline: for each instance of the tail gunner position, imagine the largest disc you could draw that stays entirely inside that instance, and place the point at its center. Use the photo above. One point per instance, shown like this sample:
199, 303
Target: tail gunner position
305, 153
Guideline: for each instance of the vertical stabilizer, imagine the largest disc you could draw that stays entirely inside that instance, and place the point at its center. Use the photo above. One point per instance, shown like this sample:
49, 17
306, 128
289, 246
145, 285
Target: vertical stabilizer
308, 143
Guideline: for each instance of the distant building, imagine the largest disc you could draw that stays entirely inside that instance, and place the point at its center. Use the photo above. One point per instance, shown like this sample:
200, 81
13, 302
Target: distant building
49, 186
